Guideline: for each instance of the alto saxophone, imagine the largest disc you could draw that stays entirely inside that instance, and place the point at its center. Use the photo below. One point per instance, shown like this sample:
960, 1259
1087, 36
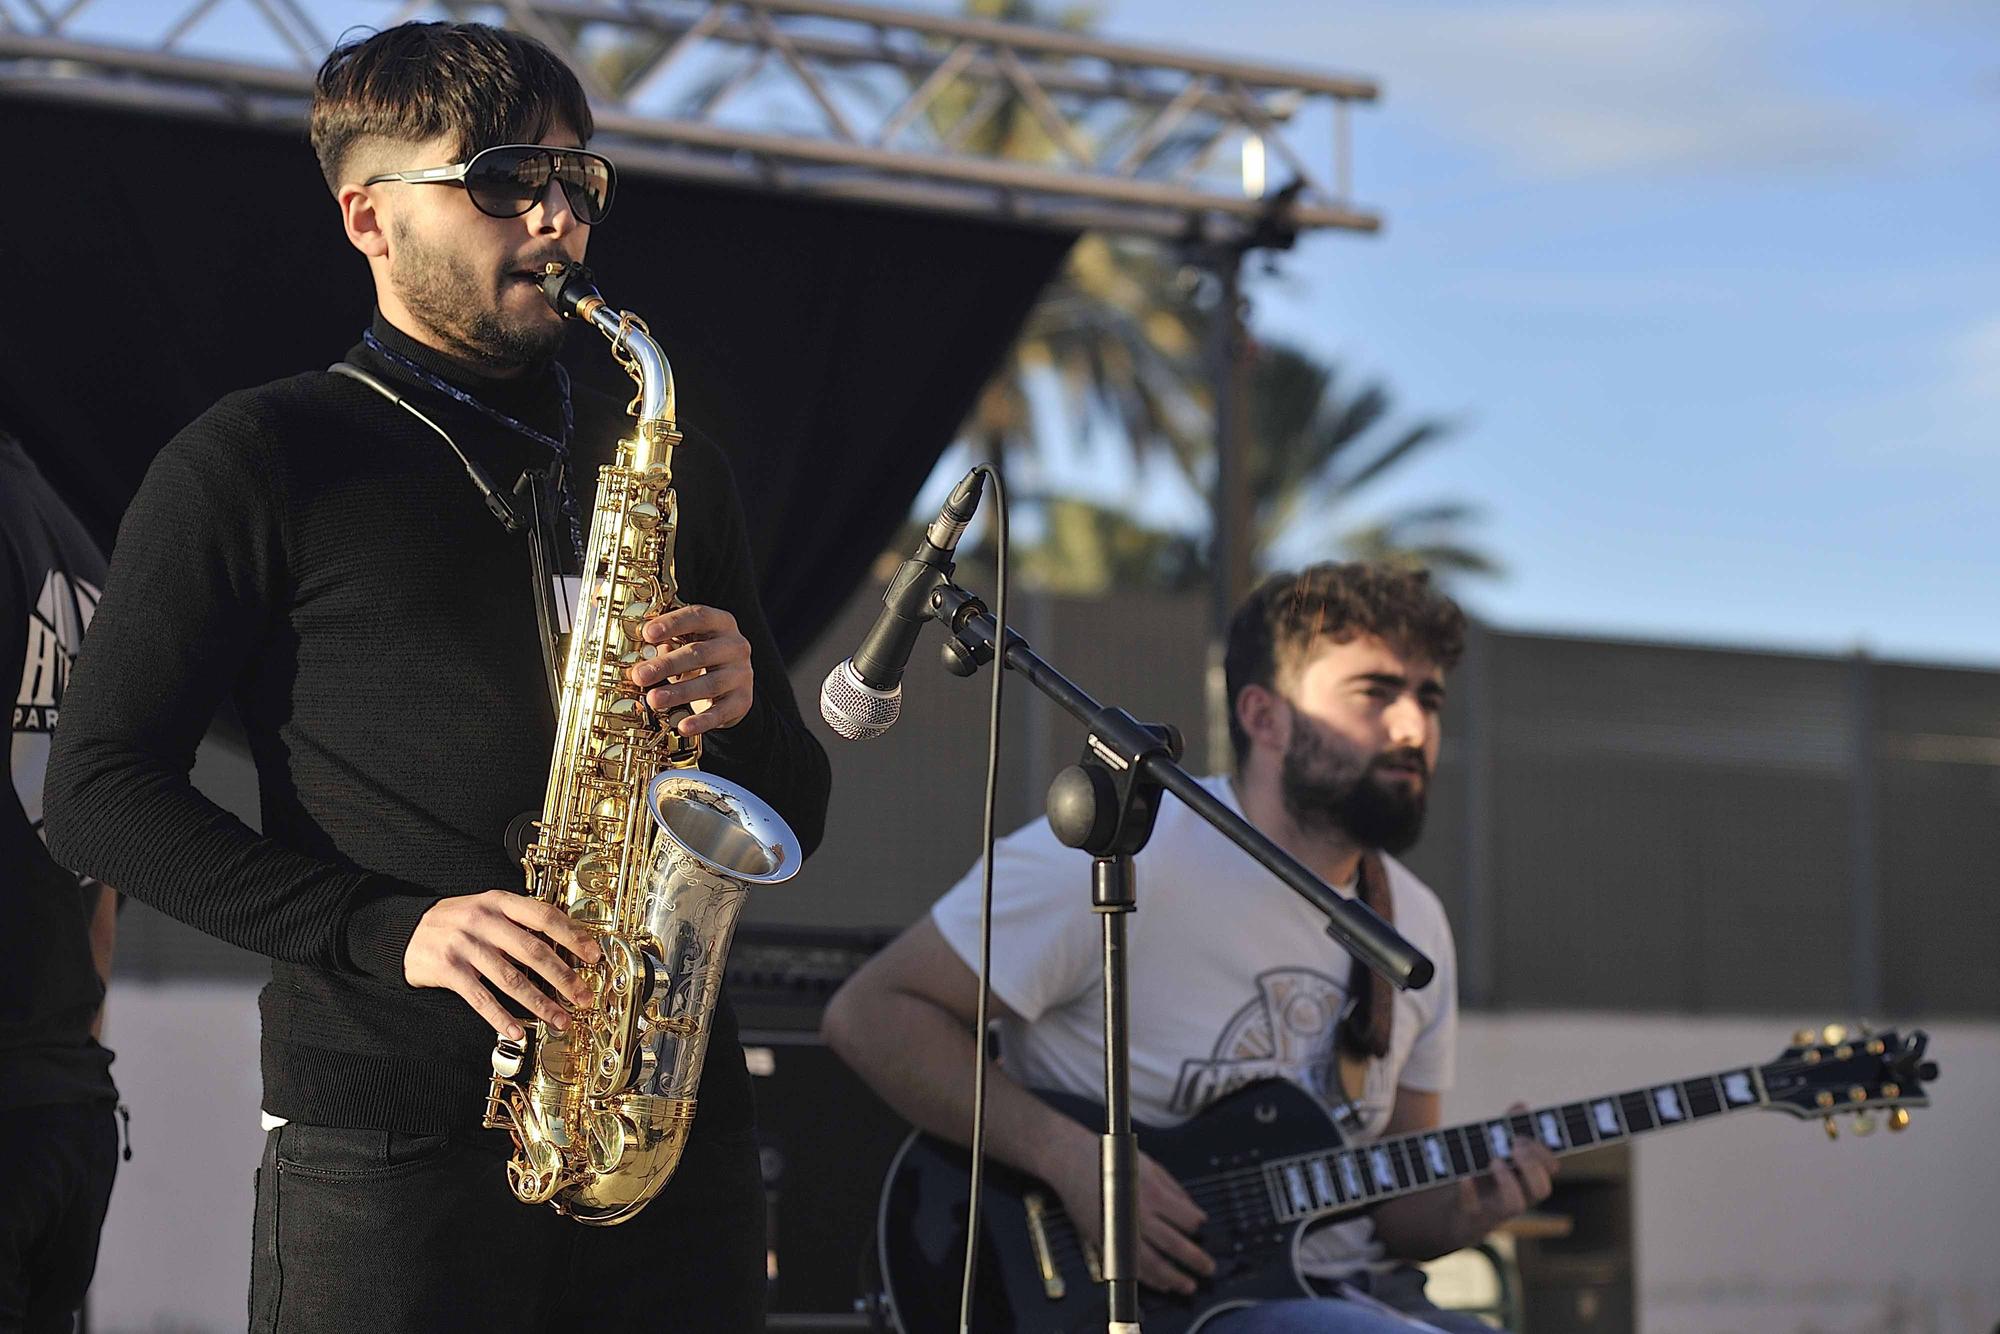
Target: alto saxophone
647, 852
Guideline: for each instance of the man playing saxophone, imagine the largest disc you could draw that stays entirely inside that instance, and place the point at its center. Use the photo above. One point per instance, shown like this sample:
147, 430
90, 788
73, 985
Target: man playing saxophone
311, 550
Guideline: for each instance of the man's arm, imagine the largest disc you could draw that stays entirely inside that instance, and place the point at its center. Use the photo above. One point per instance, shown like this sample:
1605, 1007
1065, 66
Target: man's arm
103, 937
1437, 1222
198, 578
904, 1023
195, 580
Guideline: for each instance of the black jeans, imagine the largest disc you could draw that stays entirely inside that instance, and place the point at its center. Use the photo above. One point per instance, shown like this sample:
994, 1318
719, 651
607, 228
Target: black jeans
57, 1184
378, 1231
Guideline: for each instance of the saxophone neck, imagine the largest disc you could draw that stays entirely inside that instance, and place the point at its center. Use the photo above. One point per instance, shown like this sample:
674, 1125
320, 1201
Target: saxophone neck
646, 364
572, 291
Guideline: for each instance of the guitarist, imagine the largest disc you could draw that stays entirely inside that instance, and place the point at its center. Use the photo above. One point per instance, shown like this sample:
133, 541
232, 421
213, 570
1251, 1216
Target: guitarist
1336, 678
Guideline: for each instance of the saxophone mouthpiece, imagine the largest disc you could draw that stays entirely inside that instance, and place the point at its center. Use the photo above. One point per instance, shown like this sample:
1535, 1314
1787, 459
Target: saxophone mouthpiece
567, 286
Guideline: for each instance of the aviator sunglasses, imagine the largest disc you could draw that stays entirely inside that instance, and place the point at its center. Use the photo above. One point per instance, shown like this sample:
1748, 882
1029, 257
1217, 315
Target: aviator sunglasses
507, 180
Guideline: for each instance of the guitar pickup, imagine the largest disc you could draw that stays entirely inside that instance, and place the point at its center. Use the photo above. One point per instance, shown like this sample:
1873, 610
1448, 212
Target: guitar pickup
1053, 1286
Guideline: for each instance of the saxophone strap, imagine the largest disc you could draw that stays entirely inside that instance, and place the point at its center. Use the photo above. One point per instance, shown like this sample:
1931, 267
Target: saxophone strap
538, 523
541, 545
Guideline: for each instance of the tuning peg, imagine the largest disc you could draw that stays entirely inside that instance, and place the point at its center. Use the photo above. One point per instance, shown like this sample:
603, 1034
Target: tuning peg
1864, 1123
1832, 1130
1834, 1034
1805, 1037
1899, 1119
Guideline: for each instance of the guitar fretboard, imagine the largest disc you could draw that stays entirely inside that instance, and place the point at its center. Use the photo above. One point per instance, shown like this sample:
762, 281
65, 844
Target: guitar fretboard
1321, 1183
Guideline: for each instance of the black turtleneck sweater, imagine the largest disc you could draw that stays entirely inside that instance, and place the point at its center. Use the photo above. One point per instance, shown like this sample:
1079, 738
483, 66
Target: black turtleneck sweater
311, 551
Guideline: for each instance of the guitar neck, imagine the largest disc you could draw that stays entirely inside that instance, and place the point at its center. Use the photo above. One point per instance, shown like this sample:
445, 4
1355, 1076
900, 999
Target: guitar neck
1312, 1185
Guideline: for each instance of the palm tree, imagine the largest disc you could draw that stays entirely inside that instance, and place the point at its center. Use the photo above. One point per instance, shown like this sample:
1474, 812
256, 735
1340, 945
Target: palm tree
1314, 447
1117, 328
1121, 330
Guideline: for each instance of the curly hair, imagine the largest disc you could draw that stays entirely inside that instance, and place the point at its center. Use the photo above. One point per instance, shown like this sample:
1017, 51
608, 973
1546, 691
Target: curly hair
1275, 628
415, 81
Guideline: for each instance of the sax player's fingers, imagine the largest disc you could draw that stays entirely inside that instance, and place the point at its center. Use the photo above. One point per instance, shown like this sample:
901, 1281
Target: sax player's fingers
726, 711
532, 951
712, 652
552, 922
686, 622
721, 651
471, 988
716, 685
502, 972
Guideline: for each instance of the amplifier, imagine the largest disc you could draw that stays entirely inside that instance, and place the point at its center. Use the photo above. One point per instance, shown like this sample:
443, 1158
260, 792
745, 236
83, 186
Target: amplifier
824, 1138
825, 1142
780, 977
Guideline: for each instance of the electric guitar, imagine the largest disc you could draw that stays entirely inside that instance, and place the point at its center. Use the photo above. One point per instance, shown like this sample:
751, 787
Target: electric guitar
1267, 1161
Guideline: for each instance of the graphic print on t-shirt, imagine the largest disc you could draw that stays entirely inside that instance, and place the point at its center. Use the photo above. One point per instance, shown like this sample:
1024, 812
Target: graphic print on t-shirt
56, 624
1285, 1032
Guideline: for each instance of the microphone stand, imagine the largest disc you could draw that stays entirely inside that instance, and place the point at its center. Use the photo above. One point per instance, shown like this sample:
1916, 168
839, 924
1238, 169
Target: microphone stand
1106, 805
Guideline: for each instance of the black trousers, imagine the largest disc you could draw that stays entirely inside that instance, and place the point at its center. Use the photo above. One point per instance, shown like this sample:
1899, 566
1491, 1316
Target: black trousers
378, 1231
60, 1161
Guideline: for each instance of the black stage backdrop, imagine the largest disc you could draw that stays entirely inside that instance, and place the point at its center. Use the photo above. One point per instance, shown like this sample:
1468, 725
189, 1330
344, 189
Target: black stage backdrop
833, 349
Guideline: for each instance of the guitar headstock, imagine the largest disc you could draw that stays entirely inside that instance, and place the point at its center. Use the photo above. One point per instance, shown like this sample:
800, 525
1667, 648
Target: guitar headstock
1832, 1072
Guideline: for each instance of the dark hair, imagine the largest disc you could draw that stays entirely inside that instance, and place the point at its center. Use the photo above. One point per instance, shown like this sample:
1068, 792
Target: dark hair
1277, 625
416, 81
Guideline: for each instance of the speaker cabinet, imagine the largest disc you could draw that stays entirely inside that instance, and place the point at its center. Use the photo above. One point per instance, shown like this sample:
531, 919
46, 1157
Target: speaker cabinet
825, 1142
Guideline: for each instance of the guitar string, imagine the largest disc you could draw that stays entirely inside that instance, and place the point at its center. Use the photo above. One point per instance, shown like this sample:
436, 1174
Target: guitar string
1516, 1122
1242, 1197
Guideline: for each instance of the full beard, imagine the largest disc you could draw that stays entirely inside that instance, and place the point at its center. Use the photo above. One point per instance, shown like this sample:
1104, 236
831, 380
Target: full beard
442, 290
1327, 791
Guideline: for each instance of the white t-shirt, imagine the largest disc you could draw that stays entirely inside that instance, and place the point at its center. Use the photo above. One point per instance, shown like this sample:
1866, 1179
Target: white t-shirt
1233, 979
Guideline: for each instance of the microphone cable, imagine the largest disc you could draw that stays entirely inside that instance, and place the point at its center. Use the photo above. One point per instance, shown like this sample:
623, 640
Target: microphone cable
980, 1021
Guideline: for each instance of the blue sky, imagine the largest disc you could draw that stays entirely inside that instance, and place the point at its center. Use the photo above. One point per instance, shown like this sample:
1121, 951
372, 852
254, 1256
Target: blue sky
1713, 288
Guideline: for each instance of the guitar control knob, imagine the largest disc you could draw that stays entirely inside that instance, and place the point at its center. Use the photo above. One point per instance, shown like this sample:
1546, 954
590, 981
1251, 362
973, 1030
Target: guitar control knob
1899, 1119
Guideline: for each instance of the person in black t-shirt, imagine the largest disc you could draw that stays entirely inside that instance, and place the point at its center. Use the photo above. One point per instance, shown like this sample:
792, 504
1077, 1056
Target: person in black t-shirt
56, 1094
314, 553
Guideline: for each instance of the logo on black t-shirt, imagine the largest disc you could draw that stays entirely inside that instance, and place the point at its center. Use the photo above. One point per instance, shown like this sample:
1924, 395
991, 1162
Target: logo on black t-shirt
56, 624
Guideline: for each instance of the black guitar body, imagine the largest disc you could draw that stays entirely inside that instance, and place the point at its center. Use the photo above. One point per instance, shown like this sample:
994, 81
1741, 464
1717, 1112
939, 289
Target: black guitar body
921, 1229
1266, 1162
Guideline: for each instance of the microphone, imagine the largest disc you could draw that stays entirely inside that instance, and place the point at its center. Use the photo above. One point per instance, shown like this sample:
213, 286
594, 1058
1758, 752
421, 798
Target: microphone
863, 696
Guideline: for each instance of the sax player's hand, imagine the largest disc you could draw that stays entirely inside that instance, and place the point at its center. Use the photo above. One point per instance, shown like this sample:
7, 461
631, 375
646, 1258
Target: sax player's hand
705, 666
474, 944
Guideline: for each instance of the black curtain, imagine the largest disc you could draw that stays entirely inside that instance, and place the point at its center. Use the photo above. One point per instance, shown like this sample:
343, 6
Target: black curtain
832, 348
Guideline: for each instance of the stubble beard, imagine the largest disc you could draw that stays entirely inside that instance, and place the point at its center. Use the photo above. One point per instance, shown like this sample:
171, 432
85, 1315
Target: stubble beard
1328, 791
442, 290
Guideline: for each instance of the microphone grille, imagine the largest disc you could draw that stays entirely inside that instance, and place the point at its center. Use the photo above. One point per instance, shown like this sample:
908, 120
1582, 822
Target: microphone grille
854, 710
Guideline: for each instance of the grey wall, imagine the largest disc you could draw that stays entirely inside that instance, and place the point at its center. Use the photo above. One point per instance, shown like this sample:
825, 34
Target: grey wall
1616, 825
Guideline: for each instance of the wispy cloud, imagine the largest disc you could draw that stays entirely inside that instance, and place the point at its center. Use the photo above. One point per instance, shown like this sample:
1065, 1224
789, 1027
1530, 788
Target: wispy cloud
1972, 361
1567, 90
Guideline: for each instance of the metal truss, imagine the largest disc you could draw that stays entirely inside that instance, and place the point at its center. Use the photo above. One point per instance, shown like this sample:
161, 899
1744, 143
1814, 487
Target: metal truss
821, 97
